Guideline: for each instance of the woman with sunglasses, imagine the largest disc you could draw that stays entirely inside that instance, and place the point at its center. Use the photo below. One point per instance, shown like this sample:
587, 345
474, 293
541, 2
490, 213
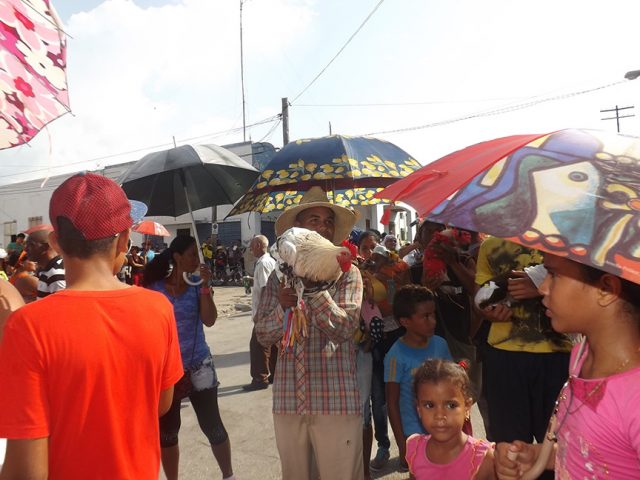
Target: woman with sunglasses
193, 306
595, 429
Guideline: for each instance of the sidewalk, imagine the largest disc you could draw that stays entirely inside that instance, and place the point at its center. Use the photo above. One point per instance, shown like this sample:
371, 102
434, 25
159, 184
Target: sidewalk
246, 415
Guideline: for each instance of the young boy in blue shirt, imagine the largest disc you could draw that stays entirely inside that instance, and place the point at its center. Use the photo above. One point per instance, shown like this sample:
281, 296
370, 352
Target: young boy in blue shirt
415, 309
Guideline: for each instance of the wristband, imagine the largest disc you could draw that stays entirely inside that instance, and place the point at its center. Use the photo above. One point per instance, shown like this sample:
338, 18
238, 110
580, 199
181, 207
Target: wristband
205, 291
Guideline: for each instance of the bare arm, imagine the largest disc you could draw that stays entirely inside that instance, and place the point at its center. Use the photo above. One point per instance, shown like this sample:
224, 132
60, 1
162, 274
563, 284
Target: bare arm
166, 398
10, 301
392, 393
26, 460
512, 459
27, 286
208, 309
407, 249
487, 470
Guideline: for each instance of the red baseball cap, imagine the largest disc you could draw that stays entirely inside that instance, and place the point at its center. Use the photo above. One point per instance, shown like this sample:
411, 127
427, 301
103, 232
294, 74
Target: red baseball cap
95, 205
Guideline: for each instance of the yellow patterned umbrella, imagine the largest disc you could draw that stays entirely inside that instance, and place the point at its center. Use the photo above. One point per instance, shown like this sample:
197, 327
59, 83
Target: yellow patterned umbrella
352, 169
265, 202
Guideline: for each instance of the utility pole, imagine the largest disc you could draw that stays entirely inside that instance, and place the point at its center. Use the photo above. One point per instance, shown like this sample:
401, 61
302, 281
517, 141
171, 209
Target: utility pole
244, 117
285, 121
618, 116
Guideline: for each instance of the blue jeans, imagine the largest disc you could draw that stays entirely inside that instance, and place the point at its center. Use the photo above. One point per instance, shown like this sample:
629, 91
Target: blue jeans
378, 400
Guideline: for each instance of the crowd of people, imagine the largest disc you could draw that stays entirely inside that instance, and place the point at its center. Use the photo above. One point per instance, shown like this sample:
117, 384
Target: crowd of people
227, 263
409, 336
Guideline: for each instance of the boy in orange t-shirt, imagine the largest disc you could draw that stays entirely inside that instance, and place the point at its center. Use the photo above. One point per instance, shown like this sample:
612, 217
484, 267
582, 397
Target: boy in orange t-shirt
85, 372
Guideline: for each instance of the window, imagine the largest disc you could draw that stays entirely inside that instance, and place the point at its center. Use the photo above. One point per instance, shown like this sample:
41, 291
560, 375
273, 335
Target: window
33, 221
10, 228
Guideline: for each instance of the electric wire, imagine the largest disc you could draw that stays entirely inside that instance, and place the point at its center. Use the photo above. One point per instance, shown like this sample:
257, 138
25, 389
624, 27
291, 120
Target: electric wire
96, 160
496, 111
339, 51
403, 104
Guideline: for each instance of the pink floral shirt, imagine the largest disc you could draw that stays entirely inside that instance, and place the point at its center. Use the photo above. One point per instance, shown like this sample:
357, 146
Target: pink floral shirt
599, 425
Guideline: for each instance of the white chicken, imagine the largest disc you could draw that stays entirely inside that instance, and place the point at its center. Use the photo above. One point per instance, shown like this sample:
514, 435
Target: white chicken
310, 256
305, 255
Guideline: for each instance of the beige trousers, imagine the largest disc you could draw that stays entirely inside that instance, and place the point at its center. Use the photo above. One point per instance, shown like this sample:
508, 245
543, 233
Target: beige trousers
330, 444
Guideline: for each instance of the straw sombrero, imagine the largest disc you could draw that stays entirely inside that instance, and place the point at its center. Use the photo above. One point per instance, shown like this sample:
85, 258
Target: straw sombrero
316, 197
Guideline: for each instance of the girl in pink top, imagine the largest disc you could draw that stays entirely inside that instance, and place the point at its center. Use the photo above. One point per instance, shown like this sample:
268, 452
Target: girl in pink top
443, 400
595, 430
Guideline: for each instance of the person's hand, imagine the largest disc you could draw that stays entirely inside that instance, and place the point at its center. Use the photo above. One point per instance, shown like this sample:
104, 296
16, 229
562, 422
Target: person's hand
497, 313
433, 282
447, 253
287, 297
514, 459
522, 288
205, 273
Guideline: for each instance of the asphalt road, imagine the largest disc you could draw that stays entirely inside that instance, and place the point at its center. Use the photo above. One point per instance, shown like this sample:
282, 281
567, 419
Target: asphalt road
246, 415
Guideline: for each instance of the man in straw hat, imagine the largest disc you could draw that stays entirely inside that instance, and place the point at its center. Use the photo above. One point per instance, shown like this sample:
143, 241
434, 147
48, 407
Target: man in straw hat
316, 405
86, 372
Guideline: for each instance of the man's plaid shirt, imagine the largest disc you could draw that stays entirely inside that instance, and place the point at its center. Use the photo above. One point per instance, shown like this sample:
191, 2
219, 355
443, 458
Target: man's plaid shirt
319, 376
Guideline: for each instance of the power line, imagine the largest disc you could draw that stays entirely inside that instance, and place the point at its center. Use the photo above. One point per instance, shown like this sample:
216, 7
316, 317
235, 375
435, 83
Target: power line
138, 150
496, 111
339, 51
402, 104
271, 130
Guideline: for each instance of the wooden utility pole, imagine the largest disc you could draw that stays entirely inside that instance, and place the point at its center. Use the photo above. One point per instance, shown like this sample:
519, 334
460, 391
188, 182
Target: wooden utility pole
618, 116
285, 121
244, 103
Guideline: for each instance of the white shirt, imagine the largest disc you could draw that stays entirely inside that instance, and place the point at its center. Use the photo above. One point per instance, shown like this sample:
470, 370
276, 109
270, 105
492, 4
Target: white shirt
263, 268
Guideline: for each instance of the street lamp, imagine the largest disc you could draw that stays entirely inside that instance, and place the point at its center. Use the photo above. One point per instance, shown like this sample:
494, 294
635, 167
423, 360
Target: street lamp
632, 75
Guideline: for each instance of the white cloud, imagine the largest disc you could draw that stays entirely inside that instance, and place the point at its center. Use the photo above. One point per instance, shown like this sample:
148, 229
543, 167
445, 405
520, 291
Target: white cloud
138, 76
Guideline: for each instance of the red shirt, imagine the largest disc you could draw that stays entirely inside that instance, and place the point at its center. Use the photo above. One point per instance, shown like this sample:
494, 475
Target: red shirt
86, 370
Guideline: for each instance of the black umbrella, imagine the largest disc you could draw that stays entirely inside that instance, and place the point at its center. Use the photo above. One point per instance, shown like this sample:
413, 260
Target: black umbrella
186, 178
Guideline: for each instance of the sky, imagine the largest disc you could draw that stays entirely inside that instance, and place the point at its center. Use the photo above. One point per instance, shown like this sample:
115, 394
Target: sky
142, 73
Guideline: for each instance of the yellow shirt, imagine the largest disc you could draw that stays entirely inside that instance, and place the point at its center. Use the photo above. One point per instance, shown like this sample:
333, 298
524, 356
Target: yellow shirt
207, 251
529, 329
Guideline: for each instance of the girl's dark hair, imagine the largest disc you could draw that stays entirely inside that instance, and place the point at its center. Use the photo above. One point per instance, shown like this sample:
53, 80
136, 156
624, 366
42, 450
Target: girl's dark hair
160, 266
407, 298
367, 234
436, 370
630, 291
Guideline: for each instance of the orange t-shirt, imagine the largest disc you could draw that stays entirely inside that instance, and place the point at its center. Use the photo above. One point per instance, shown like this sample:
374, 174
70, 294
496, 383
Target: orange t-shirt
86, 370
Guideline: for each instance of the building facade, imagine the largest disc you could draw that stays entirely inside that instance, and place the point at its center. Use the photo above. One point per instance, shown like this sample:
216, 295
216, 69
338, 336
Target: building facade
24, 205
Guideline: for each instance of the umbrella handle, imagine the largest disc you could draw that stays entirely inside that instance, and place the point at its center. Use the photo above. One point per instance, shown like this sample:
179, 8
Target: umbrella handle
188, 281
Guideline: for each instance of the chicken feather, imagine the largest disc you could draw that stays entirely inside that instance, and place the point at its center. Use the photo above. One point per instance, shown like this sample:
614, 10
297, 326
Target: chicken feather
310, 255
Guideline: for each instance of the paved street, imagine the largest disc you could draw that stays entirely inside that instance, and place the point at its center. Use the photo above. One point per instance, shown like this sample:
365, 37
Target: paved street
247, 416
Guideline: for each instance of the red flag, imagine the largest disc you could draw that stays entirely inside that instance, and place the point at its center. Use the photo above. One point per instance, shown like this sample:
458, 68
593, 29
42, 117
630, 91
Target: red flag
386, 216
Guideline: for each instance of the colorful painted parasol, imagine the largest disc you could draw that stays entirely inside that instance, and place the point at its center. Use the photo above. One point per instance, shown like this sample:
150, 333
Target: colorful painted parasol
33, 84
574, 193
